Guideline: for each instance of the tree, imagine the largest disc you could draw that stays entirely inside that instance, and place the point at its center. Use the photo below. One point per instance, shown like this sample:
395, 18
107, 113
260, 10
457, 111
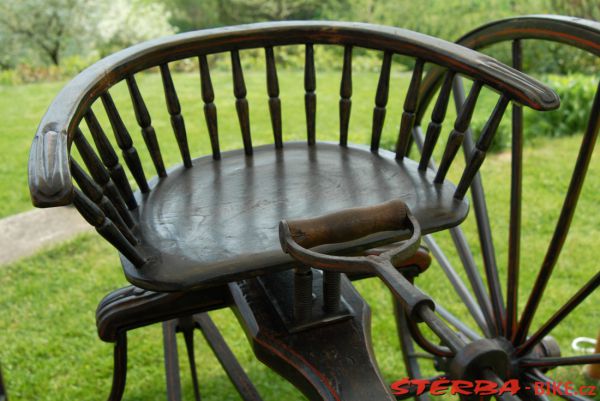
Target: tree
122, 23
44, 26
55, 28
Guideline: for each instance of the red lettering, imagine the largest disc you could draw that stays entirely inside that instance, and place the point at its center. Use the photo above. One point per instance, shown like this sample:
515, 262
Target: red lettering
421, 385
439, 387
556, 389
485, 387
569, 388
461, 387
539, 388
587, 390
399, 386
510, 386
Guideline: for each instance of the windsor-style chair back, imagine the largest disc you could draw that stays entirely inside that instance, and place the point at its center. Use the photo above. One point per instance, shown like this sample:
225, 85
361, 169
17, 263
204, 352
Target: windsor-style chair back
214, 218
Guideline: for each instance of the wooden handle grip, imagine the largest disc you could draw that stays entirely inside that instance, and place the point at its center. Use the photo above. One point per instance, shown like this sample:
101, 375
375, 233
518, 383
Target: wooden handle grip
349, 224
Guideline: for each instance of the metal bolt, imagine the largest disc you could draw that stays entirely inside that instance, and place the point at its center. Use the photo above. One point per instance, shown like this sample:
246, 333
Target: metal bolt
302, 293
331, 291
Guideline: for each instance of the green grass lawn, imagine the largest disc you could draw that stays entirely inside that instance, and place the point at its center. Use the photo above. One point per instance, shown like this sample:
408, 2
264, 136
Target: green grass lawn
49, 348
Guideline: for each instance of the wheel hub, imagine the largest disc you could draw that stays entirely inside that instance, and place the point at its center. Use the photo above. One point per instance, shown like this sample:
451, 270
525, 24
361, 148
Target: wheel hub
484, 354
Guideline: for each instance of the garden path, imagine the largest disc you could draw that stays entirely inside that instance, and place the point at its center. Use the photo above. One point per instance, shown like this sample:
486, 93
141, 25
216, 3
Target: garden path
26, 233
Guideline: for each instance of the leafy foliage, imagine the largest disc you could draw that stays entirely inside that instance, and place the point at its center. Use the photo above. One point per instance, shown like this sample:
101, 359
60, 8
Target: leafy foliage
576, 92
41, 32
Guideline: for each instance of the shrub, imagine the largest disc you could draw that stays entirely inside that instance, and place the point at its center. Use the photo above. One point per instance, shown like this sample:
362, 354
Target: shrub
576, 93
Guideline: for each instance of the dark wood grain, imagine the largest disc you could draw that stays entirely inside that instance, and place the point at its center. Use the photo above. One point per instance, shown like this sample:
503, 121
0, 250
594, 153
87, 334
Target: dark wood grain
210, 109
516, 191
105, 227
457, 135
132, 159
410, 106
482, 146
310, 96
110, 159
174, 108
241, 103
381, 99
94, 192
273, 92
296, 180
437, 118
145, 122
101, 176
346, 95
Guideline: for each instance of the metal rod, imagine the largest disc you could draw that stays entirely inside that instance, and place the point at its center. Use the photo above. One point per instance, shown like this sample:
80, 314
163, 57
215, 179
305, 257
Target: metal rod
302, 293
411, 364
331, 291
439, 327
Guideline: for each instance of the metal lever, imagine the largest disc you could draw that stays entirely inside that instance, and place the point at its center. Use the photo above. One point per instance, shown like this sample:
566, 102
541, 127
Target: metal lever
350, 224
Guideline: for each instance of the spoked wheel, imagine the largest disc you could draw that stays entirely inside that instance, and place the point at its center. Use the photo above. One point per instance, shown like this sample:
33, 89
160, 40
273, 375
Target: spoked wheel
506, 337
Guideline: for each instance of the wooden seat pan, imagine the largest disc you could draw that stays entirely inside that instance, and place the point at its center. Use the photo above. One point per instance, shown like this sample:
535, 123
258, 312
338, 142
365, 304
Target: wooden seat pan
218, 221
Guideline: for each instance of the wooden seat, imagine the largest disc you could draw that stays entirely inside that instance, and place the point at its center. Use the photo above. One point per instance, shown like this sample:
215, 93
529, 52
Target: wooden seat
214, 219
225, 226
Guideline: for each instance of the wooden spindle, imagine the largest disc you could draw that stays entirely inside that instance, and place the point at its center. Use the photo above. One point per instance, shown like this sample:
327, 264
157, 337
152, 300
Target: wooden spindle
346, 96
410, 105
101, 176
125, 143
210, 109
110, 159
437, 118
145, 122
310, 96
241, 103
174, 109
381, 99
481, 148
458, 133
105, 227
274, 101
94, 192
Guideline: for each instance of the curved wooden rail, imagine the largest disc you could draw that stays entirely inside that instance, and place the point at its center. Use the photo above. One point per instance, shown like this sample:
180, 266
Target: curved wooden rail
49, 174
576, 32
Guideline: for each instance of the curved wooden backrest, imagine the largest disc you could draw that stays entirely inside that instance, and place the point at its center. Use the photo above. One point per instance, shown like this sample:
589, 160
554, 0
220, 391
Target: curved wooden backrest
571, 31
104, 195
